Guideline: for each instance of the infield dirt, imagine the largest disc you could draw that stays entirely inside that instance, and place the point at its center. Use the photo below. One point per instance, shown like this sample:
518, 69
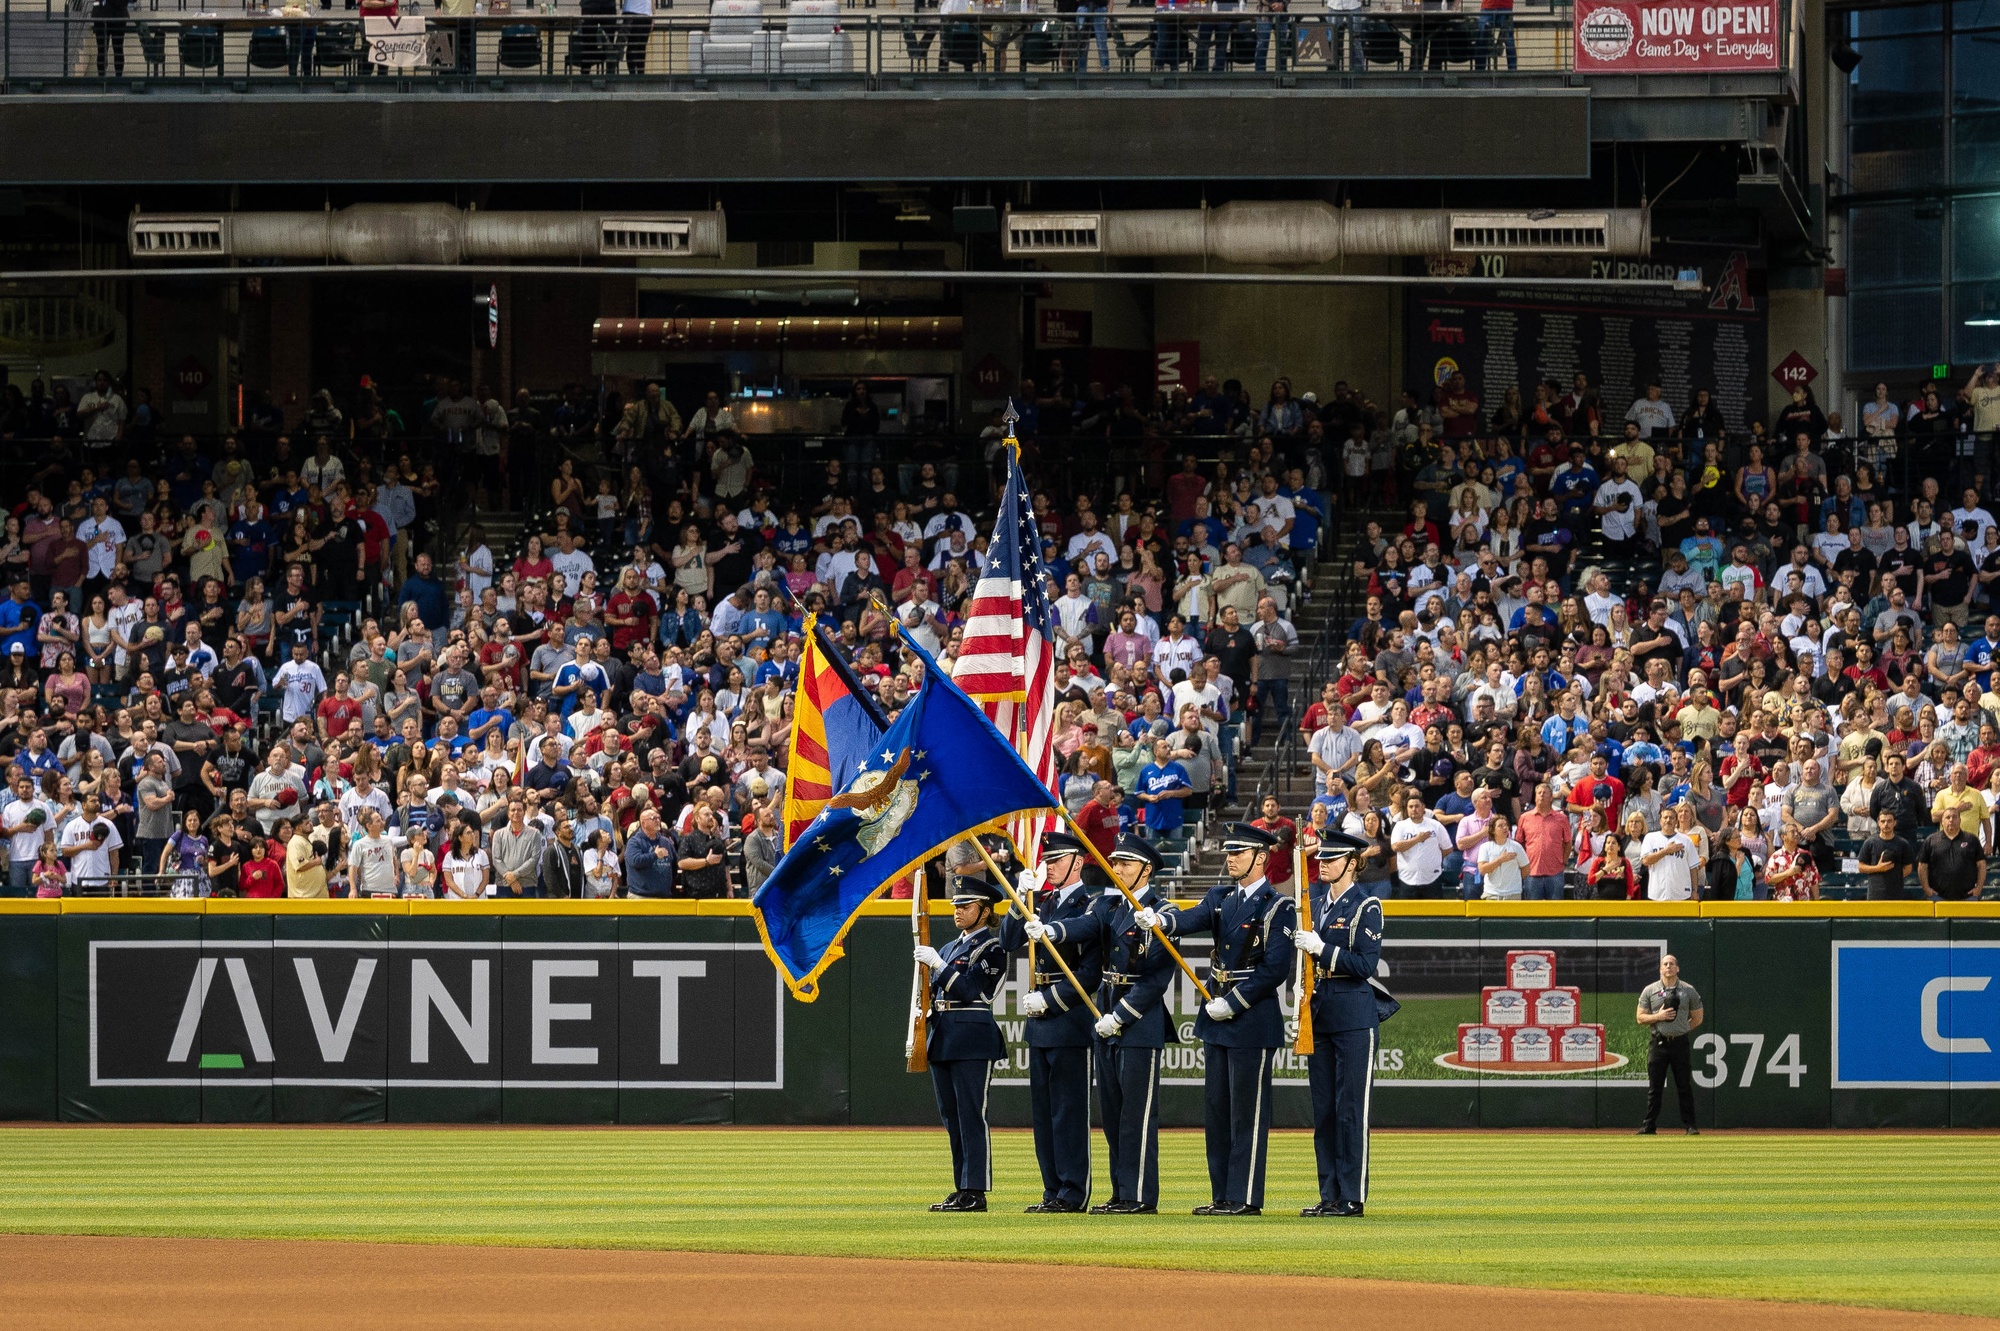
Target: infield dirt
65, 1282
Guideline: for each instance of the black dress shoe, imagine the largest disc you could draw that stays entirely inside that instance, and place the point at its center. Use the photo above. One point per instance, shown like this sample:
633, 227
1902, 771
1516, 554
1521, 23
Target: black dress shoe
967, 1201
1038, 1208
1106, 1208
1647, 1132
1345, 1209
1130, 1208
1211, 1210
1244, 1208
1693, 1131
1318, 1209
1061, 1207
948, 1204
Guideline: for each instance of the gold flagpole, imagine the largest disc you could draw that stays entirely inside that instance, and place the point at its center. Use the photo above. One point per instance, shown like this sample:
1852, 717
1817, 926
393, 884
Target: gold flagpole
1303, 1043
1158, 933
916, 1057
1027, 910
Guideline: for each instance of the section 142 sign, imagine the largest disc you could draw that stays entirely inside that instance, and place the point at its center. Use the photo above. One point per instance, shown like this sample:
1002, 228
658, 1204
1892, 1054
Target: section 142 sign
1692, 36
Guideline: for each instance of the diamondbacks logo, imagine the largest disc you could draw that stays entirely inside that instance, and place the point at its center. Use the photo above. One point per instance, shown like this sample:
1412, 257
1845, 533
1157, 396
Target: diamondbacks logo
1732, 289
1605, 34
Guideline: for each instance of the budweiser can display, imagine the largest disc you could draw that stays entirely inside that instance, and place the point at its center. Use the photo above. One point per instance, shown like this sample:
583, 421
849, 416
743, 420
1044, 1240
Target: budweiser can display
1531, 1025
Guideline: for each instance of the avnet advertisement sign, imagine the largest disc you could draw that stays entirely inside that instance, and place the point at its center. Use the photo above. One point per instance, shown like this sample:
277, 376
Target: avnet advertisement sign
1676, 38
433, 1014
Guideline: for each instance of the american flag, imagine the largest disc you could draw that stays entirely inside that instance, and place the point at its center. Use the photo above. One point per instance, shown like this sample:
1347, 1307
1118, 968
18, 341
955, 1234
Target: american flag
1007, 661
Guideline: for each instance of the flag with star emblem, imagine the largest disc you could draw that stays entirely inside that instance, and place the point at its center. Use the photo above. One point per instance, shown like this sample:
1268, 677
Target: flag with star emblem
1007, 661
940, 771
835, 724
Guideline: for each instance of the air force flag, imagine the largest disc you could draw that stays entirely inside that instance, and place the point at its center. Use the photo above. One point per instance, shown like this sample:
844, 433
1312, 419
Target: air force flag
940, 771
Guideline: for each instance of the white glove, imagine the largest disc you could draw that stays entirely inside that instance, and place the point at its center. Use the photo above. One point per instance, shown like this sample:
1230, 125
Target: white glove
1030, 881
1036, 930
1108, 1026
928, 956
1218, 1009
1309, 942
1146, 918
1033, 1004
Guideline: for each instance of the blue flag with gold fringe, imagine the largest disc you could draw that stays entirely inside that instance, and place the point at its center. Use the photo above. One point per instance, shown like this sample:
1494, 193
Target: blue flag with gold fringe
940, 771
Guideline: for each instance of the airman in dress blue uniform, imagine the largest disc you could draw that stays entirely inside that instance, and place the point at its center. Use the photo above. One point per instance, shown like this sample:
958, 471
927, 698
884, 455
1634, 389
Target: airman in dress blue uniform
1135, 1029
1345, 943
1242, 1026
965, 1041
1059, 1024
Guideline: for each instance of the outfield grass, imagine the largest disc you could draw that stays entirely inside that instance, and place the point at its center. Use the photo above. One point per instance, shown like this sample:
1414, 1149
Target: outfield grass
1892, 1221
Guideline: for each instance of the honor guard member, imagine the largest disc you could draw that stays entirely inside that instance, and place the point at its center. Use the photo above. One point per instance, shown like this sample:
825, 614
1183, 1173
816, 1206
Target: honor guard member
1345, 943
1135, 1029
965, 1041
1242, 1026
1059, 1030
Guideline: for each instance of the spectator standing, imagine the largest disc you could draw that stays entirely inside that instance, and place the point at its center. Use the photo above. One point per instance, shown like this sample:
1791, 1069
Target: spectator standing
1885, 860
1669, 859
1545, 835
1502, 862
517, 855
1951, 866
1420, 843
305, 870
1271, 669
1671, 1010
649, 858
703, 875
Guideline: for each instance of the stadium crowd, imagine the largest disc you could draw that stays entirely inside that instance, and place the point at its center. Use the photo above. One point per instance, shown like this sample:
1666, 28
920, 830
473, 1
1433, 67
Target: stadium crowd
1611, 654
241, 668
1601, 653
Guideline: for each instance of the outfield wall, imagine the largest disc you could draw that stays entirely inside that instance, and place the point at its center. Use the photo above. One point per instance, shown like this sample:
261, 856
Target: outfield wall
1844, 1015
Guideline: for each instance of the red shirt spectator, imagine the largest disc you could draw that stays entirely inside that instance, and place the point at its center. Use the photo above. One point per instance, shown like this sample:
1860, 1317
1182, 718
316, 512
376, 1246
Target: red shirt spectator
337, 714
1278, 869
1545, 836
263, 877
1100, 824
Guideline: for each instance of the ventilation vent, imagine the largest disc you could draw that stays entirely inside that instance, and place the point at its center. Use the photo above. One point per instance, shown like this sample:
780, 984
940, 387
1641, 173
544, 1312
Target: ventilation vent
634, 236
1531, 233
1054, 233
179, 237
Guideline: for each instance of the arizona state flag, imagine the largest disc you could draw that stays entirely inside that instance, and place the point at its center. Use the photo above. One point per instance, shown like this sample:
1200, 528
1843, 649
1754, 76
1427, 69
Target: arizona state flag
835, 722
939, 772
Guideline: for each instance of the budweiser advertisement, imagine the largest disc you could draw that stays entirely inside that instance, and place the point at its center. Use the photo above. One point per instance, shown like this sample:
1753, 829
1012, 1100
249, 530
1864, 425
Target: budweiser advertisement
1677, 38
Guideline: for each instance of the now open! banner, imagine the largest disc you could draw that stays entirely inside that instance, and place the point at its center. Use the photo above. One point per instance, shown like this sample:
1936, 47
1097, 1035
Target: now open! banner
1684, 37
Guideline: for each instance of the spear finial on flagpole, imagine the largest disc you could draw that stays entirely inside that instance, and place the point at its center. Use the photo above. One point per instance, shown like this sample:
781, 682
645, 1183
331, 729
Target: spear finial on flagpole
1007, 418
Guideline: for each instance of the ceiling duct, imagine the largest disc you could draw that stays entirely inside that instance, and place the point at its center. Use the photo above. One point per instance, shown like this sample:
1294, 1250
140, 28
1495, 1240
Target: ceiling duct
1298, 234
387, 233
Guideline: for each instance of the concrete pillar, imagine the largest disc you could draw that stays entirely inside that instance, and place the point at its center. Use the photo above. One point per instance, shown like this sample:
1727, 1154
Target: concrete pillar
290, 301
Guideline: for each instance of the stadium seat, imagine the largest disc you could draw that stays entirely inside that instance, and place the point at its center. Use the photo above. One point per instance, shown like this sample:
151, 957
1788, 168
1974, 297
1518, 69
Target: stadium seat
520, 46
735, 41
201, 48
812, 41
267, 48
339, 46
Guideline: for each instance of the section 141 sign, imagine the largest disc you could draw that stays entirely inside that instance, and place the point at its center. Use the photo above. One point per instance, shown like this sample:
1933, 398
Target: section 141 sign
1693, 36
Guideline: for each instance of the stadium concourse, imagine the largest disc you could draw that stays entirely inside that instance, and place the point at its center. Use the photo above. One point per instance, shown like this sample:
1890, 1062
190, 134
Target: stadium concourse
1566, 648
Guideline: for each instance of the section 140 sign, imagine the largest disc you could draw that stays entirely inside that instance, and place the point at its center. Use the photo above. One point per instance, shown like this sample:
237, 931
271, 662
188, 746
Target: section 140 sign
1693, 36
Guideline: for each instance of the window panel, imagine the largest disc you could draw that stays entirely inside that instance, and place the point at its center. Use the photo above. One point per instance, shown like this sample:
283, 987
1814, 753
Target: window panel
1890, 20
1969, 14
1978, 341
1975, 142
1901, 330
1889, 245
1975, 71
1887, 155
1975, 240
1898, 76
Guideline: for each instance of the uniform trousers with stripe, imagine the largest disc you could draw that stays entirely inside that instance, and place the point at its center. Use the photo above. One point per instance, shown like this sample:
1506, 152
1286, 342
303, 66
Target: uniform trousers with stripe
1341, 1072
962, 1085
1236, 1091
1059, 1094
1128, 1099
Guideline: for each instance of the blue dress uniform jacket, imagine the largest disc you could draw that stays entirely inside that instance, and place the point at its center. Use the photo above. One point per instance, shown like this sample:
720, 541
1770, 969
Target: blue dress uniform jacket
1067, 1024
1137, 973
1341, 1068
961, 1022
963, 1044
1254, 950
1060, 1044
1351, 927
1251, 959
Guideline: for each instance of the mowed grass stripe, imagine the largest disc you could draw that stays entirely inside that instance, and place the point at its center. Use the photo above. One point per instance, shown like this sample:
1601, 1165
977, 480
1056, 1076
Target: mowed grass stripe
1892, 1221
